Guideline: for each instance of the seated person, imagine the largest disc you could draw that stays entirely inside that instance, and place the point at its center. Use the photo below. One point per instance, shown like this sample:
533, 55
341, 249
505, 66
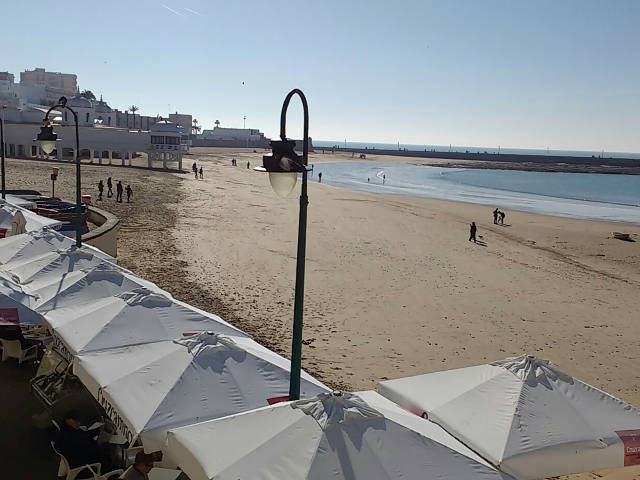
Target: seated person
140, 468
14, 332
76, 444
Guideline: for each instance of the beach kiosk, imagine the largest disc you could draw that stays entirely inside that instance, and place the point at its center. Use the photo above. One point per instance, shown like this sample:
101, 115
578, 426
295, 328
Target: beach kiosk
165, 144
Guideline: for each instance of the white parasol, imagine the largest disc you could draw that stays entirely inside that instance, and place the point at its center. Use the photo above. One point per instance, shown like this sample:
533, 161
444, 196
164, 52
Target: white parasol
147, 389
335, 436
525, 416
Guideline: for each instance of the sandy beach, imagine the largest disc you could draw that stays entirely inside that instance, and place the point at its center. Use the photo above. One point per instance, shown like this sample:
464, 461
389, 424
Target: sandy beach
393, 286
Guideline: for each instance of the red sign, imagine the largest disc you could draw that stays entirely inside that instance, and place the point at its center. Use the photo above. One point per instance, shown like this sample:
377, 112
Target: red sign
631, 441
273, 400
9, 316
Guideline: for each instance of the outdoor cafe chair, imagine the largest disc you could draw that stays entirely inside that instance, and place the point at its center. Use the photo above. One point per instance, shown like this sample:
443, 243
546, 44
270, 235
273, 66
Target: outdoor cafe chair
13, 349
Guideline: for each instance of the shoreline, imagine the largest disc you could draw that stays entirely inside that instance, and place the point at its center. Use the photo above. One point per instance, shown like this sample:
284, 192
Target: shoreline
504, 161
512, 201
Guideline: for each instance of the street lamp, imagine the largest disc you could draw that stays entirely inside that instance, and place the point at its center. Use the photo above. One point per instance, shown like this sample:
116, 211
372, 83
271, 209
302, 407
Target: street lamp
47, 138
4, 191
283, 167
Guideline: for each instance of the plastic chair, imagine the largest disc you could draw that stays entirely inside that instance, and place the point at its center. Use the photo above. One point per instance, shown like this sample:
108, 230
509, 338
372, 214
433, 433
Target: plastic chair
107, 476
65, 471
13, 349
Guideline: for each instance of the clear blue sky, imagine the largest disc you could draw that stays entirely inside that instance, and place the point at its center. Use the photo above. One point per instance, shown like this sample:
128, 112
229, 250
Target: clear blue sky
536, 74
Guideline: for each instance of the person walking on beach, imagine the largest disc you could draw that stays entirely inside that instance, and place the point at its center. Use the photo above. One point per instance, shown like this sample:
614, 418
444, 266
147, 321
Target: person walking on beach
384, 178
201, 173
100, 190
129, 193
119, 191
495, 215
248, 165
319, 177
109, 188
472, 232
502, 215
194, 167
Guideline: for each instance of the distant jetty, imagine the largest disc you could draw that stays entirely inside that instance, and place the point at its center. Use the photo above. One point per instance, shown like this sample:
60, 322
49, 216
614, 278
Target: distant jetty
510, 161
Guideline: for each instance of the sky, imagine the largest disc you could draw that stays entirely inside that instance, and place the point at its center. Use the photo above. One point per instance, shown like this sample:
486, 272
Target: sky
558, 74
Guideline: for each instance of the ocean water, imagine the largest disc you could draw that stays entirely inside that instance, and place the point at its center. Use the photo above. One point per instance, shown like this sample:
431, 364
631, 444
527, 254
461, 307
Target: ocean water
576, 195
458, 148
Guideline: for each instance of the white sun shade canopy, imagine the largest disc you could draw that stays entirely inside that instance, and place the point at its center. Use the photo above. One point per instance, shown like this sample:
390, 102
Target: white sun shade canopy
525, 416
335, 436
101, 282
28, 282
34, 244
148, 389
32, 222
130, 318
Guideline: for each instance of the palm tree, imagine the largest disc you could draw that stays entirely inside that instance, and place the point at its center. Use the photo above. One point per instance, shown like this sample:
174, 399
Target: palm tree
195, 129
217, 123
88, 94
133, 109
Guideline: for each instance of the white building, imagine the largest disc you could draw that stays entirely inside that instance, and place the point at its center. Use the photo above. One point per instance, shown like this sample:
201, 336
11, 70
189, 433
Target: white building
90, 113
185, 121
105, 135
165, 143
15, 94
237, 136
56, 84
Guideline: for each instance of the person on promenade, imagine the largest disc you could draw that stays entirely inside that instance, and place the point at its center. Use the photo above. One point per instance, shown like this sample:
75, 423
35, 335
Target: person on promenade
77, 444
100, 190
109, 188
495, 215
248, 165
201, 177
129, 193
502, 215
384, 178
141, 467
472, 232
119, 190
194, 169
319, 177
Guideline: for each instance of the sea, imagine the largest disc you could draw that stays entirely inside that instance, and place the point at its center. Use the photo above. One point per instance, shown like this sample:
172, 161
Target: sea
593, 196
473, 149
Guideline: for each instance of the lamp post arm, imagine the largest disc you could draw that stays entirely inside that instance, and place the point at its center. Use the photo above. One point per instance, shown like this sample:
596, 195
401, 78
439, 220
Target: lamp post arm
63, 104
298, 308
78, 184
283, 120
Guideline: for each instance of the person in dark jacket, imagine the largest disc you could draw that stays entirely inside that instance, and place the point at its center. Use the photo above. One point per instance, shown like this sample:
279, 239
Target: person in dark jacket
119, 191
109, 188
472, 232
76, 444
